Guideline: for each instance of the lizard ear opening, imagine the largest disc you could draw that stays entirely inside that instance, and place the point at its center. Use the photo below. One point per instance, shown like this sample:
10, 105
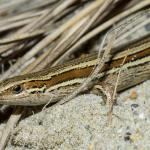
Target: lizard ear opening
17, 89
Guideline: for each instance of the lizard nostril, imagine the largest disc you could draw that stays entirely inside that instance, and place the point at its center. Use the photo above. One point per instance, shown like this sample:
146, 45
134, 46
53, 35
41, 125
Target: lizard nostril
17, 89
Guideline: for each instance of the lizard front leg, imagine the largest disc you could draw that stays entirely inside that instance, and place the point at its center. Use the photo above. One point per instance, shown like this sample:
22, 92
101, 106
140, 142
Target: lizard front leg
107, 92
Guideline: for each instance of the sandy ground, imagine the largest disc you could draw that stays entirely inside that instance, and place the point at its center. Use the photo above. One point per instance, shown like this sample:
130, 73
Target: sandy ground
82, 124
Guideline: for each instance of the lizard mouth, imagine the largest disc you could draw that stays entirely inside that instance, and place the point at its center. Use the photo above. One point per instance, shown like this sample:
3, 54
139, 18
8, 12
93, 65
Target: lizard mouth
25, 100
12, 100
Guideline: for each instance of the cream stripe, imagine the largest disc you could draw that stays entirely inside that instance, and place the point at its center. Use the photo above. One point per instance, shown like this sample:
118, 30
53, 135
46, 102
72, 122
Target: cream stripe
81, 80
132, 51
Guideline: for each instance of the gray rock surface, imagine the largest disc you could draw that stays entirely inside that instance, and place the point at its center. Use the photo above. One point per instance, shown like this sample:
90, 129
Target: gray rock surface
82, 124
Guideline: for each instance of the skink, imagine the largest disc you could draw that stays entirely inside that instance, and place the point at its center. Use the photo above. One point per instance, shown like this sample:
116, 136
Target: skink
56, 82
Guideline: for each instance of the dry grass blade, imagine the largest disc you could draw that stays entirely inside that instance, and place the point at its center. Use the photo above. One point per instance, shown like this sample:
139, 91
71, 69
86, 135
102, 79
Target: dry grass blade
48, 39
11, 123
72, 36
21, 37
20, 17
101, 28
110, 111
7, 6
84, 28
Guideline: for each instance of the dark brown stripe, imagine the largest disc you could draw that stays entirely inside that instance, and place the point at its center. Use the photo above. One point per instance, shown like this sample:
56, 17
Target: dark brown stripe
84, 72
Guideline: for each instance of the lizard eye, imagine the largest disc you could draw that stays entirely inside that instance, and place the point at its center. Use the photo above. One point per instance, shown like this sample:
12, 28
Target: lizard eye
17, 89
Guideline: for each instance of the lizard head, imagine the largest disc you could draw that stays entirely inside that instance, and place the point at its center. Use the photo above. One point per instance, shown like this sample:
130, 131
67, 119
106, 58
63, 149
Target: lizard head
20, 91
